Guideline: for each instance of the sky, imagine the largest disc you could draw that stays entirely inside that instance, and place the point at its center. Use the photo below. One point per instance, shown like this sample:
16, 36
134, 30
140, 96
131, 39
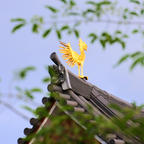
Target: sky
24, 48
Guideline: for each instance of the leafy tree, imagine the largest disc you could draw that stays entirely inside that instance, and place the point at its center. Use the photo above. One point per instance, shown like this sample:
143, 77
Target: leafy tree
67, 18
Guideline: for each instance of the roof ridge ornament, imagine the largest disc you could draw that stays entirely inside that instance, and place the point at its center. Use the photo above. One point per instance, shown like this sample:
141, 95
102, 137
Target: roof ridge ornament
73, 58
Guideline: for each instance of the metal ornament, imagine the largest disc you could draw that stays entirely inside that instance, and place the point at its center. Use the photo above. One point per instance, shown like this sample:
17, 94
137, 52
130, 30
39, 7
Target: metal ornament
73, 57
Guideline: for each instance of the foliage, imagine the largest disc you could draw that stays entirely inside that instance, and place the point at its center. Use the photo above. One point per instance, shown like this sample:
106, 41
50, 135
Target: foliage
23, 72
63, 129
21, 22
93, 12
25, 93
136, 57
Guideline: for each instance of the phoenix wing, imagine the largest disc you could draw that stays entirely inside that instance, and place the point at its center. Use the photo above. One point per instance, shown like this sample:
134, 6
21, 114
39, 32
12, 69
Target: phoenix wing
68, 54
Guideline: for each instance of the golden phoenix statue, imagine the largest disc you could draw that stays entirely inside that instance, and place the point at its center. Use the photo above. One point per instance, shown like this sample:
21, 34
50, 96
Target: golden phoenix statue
73, 57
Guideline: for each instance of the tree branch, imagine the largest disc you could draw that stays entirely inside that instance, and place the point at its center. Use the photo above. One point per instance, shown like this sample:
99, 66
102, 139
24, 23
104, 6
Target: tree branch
99, 21
34, 103
14, 110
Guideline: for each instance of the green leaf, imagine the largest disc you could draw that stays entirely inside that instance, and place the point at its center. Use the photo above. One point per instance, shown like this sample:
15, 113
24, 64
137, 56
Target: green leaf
91, 2
52, 9
64, 1
122, 59
28, 108
124, 16
18, 20
135, 31
28, 94
136, 54
118, 40
23, 72
105, 3
136, 62
76, 33
72, 3
58, 34
122, 44
30, 68
126, 10
46, 33
135, 1
94, 37
125, 36
36, 90
77, 23
41, 112
17, 27
133, 13
73, 13
103, 43
142, 11
118, 32
46, 80
106, 36
65, 27
89, 11
41, 20
35, 28
53, 74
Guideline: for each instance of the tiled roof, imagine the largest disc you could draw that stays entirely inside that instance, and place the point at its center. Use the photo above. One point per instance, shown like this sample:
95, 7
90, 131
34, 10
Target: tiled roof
79, 94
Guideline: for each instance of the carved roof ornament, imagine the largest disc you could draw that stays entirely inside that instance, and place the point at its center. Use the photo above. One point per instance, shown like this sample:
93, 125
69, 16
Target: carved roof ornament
73, 57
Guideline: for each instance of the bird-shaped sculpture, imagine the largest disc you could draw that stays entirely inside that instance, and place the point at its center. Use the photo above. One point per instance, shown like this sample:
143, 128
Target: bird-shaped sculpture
73, 57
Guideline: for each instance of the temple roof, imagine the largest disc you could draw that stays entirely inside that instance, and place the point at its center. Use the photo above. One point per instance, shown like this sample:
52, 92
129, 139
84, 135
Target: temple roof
83, 97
